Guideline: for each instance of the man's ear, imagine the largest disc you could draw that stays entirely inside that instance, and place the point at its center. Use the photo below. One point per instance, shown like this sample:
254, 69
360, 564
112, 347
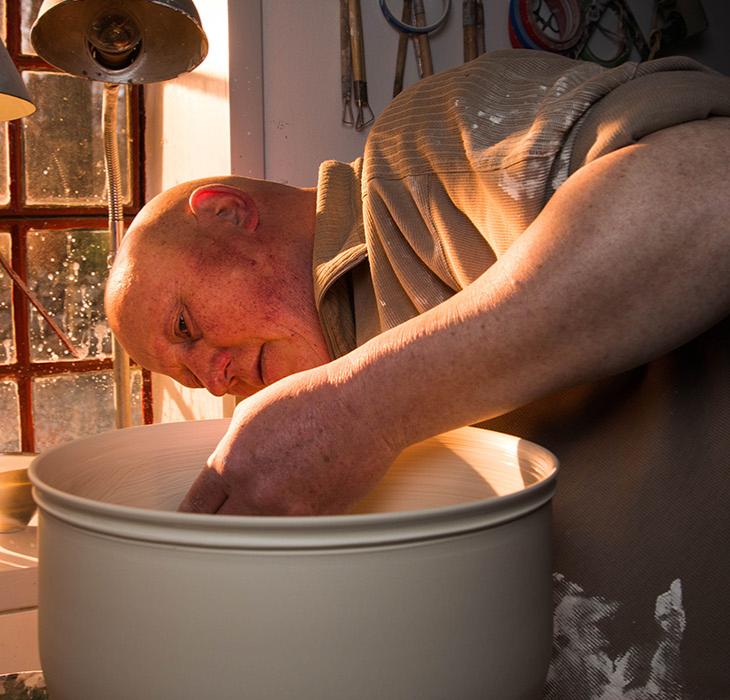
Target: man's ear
224, 202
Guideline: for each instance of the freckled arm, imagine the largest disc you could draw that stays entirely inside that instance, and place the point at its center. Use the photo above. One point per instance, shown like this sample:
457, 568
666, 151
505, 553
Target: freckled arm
629, 259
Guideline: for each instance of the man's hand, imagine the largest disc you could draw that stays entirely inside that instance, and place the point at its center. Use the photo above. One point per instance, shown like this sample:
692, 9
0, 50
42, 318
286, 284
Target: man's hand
296, 448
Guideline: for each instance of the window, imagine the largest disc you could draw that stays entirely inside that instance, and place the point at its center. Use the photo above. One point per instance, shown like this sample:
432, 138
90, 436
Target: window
53, 231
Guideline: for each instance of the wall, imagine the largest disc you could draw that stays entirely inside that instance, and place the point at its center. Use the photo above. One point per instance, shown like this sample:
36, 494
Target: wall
301, 59
301, 70
188, 136
711, 47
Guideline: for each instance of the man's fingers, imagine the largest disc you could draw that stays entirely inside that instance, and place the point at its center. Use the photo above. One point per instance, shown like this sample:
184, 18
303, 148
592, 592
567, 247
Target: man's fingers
233, 507
206, 495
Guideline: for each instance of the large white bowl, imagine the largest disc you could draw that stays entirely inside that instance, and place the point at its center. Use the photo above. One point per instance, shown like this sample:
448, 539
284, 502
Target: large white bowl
438, 587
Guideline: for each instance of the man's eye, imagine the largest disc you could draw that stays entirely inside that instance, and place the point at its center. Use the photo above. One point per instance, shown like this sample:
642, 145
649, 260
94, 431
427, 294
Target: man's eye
182, 326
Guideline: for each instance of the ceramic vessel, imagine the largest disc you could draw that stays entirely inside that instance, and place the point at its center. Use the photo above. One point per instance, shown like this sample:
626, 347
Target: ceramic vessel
16, 501
438, 585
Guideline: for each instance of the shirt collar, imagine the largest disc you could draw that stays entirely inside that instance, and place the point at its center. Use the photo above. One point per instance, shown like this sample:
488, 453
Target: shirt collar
339, 245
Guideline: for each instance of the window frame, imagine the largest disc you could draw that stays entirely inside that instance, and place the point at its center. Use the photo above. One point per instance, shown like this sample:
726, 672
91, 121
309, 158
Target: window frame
18, 218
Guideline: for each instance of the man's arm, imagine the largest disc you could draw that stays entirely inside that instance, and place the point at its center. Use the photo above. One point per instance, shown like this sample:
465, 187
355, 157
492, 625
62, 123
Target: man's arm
630, 258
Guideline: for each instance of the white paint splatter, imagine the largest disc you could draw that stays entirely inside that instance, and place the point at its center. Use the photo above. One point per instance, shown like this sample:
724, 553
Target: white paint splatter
510, 185
520, 188
561, 86
563, 169
583, 661
34, 680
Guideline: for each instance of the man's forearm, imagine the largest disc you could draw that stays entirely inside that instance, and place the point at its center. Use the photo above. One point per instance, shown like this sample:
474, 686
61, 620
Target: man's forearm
629, 259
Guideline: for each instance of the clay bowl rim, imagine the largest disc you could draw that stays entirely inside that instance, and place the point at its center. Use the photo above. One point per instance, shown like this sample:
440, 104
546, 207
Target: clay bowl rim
275, 532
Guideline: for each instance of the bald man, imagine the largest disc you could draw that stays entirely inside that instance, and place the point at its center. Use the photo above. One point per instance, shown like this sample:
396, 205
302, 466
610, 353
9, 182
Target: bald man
213, 285
528, 239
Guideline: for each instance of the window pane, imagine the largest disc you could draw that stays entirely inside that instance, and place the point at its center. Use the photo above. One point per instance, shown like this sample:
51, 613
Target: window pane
64, 147
28, 13
67, 269
7, 335
69, 406
4, 166
9, 417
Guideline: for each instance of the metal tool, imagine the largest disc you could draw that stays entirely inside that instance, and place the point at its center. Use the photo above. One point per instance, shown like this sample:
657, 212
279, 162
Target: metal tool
481, 40
364, 115
403, 26
469, 21
423, 45
625, 38
346, 64
400, 61
413, 25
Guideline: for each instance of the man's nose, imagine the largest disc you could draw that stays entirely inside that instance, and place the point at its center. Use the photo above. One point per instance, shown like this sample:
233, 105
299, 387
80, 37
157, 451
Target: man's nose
210, 366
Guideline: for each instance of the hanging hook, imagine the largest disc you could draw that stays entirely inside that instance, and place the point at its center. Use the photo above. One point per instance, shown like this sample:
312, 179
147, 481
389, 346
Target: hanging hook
414, 28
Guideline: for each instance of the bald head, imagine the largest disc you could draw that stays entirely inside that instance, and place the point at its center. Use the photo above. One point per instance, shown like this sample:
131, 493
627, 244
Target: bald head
222, 264
173, 217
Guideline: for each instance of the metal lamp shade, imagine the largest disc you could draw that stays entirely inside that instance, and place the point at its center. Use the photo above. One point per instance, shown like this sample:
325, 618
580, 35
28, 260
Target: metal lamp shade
14, 99
120, 41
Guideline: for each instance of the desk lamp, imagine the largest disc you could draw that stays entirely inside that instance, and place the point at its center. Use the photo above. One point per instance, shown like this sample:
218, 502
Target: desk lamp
115, 42
14, 100
14, 104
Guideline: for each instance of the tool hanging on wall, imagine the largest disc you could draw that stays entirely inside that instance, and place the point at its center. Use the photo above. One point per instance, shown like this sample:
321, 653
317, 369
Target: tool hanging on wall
481, 35
473, 22
673, 22
602, 31
400, 61
611, 22
422, 44
413, 24
353, 84
346, 64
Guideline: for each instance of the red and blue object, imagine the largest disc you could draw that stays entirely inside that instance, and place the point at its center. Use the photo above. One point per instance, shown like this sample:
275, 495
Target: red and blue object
546, 25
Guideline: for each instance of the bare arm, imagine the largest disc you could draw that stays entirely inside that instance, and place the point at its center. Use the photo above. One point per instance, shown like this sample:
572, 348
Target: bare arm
629, 259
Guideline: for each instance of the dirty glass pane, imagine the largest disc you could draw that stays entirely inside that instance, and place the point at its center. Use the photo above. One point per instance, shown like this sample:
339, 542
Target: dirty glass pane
4, 166
64, 146
7, 335
28, 13
67, 269
9, 417
69, 406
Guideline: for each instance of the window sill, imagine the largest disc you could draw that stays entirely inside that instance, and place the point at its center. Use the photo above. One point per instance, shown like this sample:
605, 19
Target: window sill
19, 600
19, 569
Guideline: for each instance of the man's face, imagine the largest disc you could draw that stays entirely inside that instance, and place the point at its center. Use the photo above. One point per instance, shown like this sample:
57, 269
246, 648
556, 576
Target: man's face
215, 314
